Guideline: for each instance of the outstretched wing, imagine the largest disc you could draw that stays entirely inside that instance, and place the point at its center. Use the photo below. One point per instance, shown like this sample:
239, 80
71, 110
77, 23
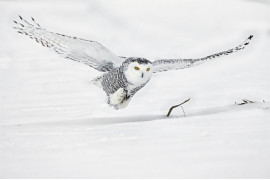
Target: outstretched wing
88, 52
173, 64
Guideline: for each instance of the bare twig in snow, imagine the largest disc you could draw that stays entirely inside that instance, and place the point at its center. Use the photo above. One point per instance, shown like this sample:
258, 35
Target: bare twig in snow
245, 101
170, 110
183, 111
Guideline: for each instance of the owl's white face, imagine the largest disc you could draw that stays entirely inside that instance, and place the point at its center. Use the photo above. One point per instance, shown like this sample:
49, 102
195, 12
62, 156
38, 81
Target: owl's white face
138, 73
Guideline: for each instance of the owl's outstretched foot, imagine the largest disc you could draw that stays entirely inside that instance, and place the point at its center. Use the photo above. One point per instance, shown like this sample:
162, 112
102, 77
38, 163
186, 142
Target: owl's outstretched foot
119, 99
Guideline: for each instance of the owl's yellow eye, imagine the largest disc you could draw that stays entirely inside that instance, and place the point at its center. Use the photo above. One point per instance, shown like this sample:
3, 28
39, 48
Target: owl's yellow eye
148, 69
136, 68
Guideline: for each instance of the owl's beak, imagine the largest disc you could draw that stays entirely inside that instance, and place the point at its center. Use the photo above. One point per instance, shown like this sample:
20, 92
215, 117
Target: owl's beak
142, 75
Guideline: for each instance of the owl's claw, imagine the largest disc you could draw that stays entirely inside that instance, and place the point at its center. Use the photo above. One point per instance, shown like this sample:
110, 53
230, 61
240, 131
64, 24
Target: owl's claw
126, 96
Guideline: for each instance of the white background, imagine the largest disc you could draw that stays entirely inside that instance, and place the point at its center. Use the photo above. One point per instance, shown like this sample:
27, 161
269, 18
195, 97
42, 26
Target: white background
55, 124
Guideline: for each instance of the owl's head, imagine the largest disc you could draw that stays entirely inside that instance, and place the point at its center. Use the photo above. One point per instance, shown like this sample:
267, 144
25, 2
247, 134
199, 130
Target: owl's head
137, 70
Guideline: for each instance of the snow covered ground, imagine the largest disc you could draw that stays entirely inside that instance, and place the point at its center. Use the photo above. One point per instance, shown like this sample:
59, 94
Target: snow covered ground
55, 124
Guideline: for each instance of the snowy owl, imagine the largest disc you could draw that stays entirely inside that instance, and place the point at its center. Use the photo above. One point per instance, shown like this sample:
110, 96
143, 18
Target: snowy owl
123, 76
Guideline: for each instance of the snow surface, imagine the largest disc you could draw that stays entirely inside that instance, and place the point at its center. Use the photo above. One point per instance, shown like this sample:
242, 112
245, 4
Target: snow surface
55, 124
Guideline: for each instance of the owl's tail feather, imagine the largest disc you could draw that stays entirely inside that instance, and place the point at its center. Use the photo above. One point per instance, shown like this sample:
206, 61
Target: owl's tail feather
97, 81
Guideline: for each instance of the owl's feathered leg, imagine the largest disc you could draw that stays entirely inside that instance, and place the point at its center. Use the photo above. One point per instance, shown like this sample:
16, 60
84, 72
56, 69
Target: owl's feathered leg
119, 99
124, 103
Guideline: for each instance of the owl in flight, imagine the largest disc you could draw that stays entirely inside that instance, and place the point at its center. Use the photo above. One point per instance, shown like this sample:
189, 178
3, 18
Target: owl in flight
123, 76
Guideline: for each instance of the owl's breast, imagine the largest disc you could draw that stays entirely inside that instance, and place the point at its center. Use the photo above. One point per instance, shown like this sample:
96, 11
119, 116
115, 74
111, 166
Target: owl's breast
133, 89
114, 80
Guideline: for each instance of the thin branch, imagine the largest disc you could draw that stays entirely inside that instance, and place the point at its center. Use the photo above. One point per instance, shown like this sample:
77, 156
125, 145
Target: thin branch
183, 111
170, 110
245, 101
